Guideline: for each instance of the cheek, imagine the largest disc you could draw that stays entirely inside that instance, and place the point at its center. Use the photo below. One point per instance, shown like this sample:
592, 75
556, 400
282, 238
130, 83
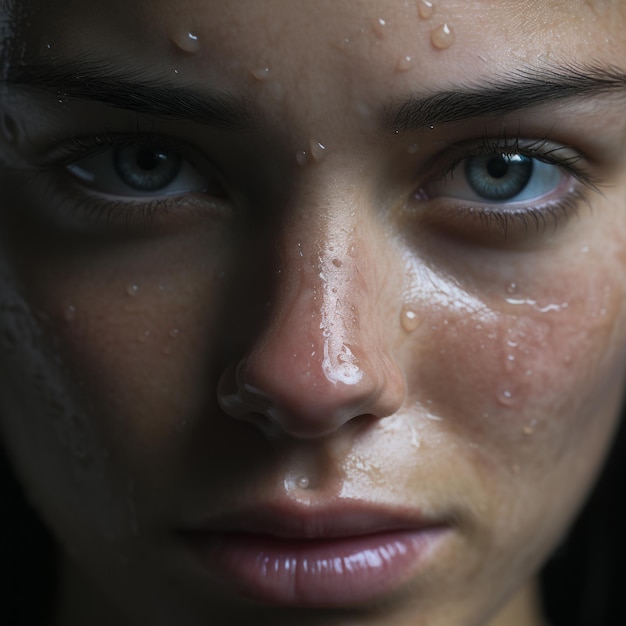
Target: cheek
522, 371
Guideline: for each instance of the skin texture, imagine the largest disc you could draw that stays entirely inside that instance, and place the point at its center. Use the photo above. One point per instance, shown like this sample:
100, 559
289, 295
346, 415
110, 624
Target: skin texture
320, 317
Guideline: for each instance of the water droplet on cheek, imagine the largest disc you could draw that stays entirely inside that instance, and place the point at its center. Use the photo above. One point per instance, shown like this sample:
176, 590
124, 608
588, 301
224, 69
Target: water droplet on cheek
132, 290
409, 320
425, 8
442, 37
186, 41
379, 26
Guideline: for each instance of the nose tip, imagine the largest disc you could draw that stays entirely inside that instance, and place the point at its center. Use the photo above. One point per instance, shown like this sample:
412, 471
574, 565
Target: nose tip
308, 398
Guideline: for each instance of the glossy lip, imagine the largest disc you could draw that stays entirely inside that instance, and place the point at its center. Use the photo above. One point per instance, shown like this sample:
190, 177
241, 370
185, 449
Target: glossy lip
343, 555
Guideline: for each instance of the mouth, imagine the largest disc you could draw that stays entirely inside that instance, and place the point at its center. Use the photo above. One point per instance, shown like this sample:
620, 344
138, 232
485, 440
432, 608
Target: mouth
331, 557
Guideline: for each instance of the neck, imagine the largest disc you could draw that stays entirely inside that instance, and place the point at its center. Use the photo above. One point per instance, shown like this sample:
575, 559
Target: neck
523, 609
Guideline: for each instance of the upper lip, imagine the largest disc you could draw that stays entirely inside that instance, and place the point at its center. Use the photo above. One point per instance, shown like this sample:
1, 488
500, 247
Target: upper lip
336, 520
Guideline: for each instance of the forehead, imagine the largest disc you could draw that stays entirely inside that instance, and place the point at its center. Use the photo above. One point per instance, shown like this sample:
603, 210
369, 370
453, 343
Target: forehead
298, 37
303, 61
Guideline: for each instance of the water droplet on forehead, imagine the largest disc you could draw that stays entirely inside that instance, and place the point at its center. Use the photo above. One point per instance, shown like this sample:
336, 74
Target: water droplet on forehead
302, 157
442, 37
186, 41
425, 9
318, 150
261, 73
405, 63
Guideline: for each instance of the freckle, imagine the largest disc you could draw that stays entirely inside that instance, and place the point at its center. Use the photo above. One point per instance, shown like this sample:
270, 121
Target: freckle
378, 26
442, 37
405, 63
425, 9
318, 150
186, 41
409, 319
70, 313
8, 128
337, 263
261, 73
132, 290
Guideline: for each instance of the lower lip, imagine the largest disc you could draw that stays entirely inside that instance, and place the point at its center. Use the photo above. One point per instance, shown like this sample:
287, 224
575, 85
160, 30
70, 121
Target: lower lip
337, 572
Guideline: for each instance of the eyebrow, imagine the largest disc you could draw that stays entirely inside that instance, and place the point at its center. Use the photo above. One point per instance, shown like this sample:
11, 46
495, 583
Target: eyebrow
104, 82
136, 91
521, 90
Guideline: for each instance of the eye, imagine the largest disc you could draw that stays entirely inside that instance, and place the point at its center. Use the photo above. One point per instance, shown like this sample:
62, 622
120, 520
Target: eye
497, 177
142, 168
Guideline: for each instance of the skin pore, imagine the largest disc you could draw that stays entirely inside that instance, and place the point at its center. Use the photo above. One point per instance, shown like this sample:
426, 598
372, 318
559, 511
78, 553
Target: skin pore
316, 311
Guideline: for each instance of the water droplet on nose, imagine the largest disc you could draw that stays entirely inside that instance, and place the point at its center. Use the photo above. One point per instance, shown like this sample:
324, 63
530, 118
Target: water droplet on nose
186, 41
8, 128
505, 397
303, 482
261, 73
425, 8
409, 319
70, 313
132, 290
352, 251
318, 150
405, 63
442, 37
509, 363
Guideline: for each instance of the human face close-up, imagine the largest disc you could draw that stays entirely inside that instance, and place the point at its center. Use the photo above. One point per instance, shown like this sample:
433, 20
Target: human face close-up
312, 311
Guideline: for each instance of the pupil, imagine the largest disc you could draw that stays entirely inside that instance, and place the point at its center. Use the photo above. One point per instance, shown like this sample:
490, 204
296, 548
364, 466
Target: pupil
497, 167
150, 159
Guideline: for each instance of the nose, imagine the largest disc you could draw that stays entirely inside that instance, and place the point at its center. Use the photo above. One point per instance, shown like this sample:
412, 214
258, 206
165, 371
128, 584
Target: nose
324, 358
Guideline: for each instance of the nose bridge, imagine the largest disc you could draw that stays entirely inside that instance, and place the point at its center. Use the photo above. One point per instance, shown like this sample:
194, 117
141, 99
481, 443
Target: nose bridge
322, 359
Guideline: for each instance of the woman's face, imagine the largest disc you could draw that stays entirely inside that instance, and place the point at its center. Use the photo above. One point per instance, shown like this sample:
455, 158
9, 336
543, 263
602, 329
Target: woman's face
312, 312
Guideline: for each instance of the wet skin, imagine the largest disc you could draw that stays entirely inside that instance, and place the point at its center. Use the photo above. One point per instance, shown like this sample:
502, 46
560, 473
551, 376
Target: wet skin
313, 315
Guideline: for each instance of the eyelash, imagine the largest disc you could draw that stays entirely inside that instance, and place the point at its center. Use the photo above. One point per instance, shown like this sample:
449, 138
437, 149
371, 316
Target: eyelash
505, 220
145, 211
140, 212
